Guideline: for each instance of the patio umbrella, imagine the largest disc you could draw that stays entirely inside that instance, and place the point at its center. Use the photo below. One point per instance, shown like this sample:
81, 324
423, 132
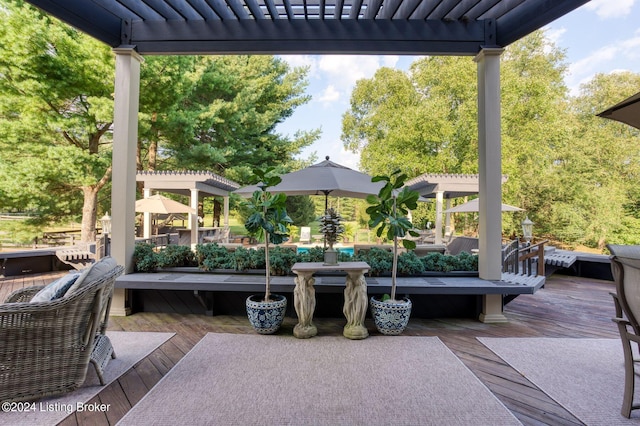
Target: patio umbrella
326, 178
159, 204
627, 111
474, 206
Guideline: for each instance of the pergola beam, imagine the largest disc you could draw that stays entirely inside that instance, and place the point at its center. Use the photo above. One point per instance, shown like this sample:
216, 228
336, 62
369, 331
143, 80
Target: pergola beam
310, 37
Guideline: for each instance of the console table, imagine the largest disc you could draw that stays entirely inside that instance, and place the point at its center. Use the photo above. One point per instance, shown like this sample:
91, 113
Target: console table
355, 297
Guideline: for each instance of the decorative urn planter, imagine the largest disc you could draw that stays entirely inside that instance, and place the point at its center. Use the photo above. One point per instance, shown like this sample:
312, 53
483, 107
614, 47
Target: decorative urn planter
331, 256
390, 317
266, 317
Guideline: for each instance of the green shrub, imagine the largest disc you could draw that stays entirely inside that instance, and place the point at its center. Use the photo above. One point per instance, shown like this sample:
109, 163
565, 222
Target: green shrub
344, 257
379, 260
446, 263
467, 262
314, 254
281, 260
212, 256
145, 258
249, 259
409, 264
176, 256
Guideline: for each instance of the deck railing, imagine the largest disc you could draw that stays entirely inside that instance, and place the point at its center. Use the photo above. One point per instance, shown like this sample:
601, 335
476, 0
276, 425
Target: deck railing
523, 258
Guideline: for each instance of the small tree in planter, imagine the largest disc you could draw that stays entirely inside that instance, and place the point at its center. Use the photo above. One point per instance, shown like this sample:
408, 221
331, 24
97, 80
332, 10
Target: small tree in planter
332, 228
388, 211
268, 217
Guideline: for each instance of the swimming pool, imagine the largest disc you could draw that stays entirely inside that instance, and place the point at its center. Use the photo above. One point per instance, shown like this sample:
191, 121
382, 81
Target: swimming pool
347, 250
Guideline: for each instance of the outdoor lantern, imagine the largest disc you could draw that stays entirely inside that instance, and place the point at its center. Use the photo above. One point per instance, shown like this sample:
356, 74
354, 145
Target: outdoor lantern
527, 229
106, 223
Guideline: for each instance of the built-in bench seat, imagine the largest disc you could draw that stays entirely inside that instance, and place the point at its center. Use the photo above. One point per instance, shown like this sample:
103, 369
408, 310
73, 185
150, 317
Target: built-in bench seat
451, 285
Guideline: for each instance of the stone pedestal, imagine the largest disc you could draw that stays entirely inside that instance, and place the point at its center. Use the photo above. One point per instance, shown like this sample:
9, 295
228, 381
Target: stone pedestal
355, 297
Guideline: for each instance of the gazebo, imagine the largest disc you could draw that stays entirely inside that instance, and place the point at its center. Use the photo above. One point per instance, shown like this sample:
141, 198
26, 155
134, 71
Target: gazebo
194, 184
444, 187
478, 28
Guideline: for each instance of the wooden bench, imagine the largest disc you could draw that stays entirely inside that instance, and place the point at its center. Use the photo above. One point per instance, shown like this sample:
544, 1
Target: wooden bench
205, 286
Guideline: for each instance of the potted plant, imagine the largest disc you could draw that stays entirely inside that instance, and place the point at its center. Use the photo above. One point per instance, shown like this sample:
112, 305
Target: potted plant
332, 228
268, 219
388, 211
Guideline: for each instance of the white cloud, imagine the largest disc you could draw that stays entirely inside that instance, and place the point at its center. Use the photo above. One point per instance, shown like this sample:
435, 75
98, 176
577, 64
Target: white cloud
600, 60
606, 9
555, 34
303, 61
329, 95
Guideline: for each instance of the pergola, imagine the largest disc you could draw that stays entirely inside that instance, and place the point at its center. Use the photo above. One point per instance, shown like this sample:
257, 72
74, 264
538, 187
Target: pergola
444, 187
479, 28
194, 184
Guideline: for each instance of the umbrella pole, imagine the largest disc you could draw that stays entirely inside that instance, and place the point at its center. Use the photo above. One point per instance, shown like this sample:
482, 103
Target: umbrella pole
326, 207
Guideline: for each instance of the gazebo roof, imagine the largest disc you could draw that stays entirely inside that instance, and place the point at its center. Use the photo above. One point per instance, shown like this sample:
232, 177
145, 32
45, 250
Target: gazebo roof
452, 185
182, 182
459, 27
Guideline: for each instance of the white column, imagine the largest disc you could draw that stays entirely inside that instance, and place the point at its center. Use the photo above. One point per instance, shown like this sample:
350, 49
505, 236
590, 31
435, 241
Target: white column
125, 137
439, 198
226, 211
193, 217
447, 217
490, 182
146, 226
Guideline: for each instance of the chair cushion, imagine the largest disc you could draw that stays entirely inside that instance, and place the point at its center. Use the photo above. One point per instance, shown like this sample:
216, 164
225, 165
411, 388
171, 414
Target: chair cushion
56, 289
93, 273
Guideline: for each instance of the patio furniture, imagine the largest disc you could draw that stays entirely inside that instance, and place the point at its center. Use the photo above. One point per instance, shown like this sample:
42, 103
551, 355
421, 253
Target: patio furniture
47, 346
355, 297
625, 267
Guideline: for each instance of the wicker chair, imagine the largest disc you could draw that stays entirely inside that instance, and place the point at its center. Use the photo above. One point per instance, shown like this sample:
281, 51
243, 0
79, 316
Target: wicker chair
46, 347
625, 267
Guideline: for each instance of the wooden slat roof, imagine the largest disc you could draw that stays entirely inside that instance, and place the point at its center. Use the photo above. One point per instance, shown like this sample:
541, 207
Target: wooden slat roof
453, 27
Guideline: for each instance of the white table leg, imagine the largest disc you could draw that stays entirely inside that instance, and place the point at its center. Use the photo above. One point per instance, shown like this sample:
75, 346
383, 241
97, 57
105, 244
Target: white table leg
355, 306
304, 301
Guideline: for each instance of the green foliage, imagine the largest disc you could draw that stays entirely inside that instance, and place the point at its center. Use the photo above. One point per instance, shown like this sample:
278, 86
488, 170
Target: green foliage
438, 262
268, 214
249, 259
389, 209
331, 226
314, 254
409, 264
576, 174
212, 256
380, 260
56, 108
176, 256
145, 258
301, 209
281, 260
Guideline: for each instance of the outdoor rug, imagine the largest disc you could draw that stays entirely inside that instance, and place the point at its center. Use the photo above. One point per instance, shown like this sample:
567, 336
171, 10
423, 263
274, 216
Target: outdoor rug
130, 347
586, 376
229, 379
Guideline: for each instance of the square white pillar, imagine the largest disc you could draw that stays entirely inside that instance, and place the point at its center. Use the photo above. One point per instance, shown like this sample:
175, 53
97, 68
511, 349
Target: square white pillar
489, 164
125, 139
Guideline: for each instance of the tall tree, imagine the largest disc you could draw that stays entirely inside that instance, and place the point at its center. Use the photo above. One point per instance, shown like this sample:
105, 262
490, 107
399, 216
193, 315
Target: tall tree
224, 116
601, 166
56, 109
425, 120
55, 116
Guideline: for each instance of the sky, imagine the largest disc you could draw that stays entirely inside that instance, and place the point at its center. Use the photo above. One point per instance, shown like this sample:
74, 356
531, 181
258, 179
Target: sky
602, 36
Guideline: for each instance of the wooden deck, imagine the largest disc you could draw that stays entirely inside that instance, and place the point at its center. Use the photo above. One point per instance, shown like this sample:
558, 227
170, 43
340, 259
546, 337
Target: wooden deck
565, 307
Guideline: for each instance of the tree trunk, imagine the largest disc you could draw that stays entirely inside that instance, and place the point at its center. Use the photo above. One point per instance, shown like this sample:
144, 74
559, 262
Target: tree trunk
89, 208
88, 228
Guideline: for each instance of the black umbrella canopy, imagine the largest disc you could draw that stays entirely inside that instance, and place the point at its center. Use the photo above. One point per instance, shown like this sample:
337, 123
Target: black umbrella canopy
325, 178
627, 111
